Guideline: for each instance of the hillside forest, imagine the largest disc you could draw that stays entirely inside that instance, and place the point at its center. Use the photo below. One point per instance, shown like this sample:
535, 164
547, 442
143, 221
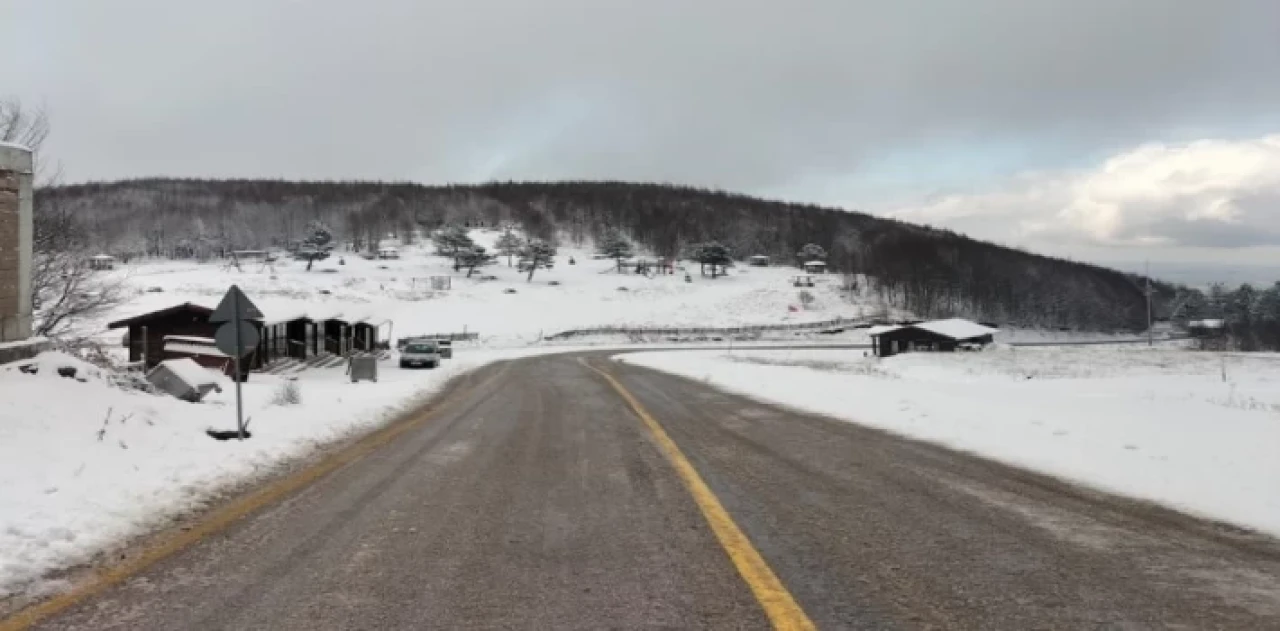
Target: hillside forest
929, 271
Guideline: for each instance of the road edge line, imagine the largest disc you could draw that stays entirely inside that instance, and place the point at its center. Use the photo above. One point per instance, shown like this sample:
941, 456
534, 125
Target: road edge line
779, 605
221, 518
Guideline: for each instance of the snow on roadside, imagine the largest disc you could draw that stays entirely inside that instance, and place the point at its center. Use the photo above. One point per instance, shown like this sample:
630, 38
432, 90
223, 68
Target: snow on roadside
85, 465
1163, 425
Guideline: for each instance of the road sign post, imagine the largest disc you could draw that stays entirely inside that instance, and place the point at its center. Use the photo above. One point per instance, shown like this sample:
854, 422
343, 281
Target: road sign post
236, 337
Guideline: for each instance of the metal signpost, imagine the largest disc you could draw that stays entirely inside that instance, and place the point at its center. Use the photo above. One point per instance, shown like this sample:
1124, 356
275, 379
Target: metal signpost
236, 337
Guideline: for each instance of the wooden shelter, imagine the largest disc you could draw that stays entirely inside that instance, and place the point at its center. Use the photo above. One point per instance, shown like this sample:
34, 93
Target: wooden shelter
938, 335
147, 332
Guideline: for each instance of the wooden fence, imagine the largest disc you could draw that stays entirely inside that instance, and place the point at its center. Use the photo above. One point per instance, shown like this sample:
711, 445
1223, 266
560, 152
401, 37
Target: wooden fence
691, 331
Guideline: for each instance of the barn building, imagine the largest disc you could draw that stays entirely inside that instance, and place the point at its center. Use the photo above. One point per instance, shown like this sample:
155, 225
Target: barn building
147, 331
938, 335
184, 330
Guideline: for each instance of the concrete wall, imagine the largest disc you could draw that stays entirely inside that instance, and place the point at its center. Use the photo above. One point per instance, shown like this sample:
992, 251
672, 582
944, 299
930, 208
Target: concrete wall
15, 242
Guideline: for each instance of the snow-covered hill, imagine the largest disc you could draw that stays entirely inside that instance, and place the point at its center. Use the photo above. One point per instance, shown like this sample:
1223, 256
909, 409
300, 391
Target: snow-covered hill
585, 294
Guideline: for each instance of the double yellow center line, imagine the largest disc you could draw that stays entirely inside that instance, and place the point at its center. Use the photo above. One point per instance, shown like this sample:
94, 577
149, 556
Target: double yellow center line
779, 605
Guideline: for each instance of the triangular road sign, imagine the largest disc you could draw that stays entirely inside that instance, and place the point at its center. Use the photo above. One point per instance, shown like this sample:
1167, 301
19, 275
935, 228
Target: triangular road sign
235, 306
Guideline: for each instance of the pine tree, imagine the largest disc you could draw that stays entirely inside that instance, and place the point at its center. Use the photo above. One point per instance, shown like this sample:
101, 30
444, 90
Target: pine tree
509, 244
537, 253
1240, 304
1267, 307
811, 252
616, 246
1190, 305
713, 254
474, 257
1216, 301
451, 242
318, 242
319, 235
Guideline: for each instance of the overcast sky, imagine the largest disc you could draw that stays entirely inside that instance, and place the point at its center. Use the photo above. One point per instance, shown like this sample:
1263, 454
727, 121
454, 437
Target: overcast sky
1109, 130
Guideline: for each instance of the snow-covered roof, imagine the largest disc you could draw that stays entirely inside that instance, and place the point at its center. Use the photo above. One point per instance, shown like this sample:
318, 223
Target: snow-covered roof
193, 349
188, 306
320, 315
812, 263
103, 257
881, 329
956, 328
15, 157
190, 372
1207, 324
289, 316
190, 338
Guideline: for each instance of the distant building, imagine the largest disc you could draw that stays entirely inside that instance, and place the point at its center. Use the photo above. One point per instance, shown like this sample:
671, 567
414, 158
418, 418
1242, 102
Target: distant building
815, 267
184, 331
758, 260
102, 262
938, 335
16, 232
1210, 335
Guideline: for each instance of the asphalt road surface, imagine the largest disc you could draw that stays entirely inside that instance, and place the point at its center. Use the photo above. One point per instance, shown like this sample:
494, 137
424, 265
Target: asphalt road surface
537, 498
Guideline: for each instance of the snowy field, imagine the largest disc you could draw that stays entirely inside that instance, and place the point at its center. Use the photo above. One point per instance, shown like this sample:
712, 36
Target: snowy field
1194, 431
586, 294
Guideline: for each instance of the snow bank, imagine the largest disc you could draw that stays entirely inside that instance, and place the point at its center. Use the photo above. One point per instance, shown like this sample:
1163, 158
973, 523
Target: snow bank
84, 465
1195, 431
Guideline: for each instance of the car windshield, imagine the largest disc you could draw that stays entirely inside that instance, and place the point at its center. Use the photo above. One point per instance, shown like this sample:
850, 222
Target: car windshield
420, 348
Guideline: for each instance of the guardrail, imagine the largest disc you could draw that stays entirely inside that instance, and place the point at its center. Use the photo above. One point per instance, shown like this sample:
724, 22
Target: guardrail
453, 337
687, 331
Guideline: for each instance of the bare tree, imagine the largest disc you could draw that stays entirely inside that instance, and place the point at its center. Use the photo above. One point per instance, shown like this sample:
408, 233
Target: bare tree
22, 126
65, 292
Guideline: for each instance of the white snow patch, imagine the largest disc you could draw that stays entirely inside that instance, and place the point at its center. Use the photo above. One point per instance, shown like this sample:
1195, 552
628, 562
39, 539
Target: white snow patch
956, 328
85, 465
1194, 431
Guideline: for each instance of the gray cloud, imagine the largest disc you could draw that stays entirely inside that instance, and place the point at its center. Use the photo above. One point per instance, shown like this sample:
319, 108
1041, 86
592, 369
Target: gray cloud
740, 94
745, 95
1220, 195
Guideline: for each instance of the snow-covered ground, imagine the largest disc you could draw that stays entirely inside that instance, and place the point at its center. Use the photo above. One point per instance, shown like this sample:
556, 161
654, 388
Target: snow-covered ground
1195, 431
84, 464
586, 294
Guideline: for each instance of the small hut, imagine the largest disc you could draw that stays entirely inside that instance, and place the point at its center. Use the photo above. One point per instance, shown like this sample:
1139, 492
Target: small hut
815, 267
758, 260
102, 262
938, 335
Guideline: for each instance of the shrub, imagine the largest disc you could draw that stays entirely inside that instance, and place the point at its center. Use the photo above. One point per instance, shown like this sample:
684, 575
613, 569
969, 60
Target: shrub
289, 393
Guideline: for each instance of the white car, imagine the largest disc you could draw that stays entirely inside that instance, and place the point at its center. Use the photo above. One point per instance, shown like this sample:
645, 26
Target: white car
420, 353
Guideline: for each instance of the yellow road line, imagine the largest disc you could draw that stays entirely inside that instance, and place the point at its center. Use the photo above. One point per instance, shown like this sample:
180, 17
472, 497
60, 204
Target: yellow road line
779, 605
216, 521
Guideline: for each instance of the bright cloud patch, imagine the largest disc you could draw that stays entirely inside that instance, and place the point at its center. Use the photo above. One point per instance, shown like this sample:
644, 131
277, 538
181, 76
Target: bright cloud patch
1209, 193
